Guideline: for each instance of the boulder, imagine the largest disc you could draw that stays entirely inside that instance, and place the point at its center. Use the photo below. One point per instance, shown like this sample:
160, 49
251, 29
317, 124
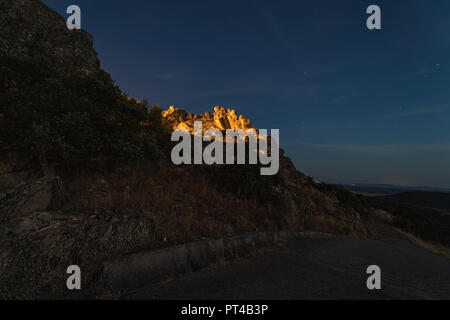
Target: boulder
26, 198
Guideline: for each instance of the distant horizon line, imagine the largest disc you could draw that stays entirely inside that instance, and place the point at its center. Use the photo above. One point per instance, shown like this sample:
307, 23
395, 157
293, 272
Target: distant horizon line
394, 185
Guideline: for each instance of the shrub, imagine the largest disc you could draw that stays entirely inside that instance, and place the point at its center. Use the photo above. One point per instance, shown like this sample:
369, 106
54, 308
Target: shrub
74, 116
426, 226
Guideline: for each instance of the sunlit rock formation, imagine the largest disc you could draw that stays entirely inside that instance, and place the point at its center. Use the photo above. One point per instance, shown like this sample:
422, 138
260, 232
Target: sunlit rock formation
222, 119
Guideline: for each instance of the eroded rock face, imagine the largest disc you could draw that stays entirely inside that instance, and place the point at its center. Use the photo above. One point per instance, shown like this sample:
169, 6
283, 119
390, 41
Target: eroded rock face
15, 169
27, 198
29, 28
221, 119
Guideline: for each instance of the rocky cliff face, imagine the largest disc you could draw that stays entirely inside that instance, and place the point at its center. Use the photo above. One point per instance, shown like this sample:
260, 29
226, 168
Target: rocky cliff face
29, 28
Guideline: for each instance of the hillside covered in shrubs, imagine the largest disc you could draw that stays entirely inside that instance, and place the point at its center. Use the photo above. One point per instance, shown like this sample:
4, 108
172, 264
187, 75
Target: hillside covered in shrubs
86, 176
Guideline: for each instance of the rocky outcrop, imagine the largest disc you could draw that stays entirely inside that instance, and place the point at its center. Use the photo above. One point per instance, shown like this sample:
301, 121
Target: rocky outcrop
36, 249
37, 242
29, 28
16, 168
27, 198
222, 119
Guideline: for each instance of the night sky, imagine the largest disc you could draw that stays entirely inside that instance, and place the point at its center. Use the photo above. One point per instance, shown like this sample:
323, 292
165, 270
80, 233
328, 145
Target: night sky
352, 105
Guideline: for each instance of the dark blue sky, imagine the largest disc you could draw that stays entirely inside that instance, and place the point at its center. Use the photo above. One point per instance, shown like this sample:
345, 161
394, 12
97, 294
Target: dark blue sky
352, 105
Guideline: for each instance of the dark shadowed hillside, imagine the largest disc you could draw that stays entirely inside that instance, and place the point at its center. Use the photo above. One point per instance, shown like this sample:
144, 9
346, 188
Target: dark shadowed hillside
86, 176
422, 198
424, 214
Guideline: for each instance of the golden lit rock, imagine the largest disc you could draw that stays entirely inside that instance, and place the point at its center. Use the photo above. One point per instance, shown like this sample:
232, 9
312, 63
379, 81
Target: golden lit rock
221, 119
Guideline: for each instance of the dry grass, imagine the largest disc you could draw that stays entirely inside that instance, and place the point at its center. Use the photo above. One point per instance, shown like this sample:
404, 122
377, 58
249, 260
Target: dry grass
182, 206
334, 225
431, 247
385, 216
325, 224
319, 201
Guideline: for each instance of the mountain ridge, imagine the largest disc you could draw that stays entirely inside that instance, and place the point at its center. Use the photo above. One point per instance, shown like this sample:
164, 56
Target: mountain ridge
390, 189
87, 172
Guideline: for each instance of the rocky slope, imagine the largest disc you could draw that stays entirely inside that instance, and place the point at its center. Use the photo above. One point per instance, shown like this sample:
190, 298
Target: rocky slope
93, 210
302, 199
